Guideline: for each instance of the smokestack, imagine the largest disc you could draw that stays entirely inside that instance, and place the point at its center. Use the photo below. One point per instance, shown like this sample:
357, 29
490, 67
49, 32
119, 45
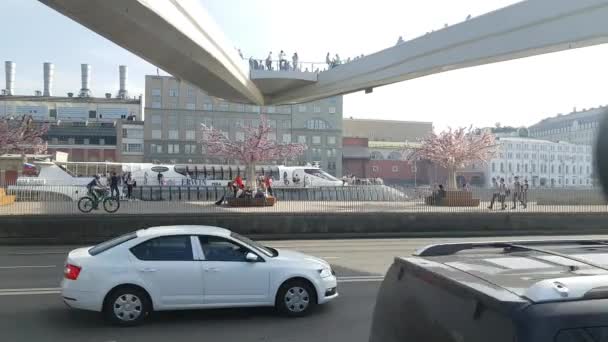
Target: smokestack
48, 71
122, 92
9, 69
85, 70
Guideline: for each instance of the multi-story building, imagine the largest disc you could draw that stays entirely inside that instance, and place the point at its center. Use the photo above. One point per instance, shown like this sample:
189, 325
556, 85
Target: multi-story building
377, 148
175, 111
578, 127
543, 163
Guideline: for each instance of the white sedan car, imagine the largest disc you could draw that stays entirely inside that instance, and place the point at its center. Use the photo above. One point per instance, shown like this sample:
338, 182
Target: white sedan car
191, 267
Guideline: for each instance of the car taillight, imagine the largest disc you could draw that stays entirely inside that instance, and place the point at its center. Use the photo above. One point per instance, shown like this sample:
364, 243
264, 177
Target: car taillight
71, 272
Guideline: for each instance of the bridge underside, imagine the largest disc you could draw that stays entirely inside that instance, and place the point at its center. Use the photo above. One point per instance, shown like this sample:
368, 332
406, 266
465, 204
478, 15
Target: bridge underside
182, 39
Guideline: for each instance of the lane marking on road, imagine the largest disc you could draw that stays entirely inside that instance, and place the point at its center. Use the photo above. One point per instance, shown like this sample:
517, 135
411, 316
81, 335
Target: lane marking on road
57, 290
358, 279
27, 266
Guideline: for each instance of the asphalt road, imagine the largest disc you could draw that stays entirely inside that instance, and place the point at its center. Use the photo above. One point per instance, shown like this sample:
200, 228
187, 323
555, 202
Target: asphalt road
31, 309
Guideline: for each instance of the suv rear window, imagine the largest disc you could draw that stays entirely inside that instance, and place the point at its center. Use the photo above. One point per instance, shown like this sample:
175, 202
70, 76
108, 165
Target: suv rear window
104, 246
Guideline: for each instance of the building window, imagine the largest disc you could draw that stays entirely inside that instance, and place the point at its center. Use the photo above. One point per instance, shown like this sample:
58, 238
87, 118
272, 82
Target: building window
301, 108
156, 104
207, 106
155, 92
317, 109
156, 148
132, 147
316, 140
190, 135
317, 124
587, 169
272, 136
240, 136
375, 169
173, 148
86, 141
395, 168
493, 167
157, 120
331, 165
331, 140
332, 110
552, 168
189, 149
510, 168
302, 139
286, 124
272, 123
173, 92
102, 141
567, 169
526, 167
156, 134
190, 92
173, 134
331, 153
271, 109
533, 167
190, 106
286, 138
517, 167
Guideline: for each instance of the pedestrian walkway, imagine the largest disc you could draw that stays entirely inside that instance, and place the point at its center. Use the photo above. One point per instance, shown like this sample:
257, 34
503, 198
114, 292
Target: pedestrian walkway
295, 207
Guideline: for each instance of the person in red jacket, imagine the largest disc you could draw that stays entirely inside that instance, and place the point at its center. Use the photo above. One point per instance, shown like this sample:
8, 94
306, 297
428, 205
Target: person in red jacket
239, 182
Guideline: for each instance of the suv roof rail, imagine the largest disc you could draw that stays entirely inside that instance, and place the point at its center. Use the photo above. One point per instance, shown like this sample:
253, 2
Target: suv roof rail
453, 248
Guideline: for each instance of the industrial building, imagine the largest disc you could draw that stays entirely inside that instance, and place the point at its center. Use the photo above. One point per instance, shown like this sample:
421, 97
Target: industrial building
80, 124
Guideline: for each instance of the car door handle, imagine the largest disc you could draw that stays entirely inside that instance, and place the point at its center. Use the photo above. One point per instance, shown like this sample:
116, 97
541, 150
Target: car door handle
211, 269
147, 269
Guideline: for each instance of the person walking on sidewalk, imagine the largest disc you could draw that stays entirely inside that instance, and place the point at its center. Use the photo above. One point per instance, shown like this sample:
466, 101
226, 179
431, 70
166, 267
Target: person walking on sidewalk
523, 198
502, 193
495, 193
516, 191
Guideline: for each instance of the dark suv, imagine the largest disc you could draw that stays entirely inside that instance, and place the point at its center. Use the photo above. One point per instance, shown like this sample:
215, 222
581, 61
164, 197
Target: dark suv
515, 291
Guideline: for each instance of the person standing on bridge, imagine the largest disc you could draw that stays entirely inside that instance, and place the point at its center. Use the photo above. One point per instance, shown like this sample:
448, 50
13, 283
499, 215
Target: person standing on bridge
282, 60
269, 61
328, 61
294, 59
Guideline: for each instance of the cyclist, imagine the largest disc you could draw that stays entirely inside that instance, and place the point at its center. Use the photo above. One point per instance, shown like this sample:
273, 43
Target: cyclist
96, 189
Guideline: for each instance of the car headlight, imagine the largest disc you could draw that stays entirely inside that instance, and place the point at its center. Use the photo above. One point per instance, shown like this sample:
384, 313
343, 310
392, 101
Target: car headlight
326, 272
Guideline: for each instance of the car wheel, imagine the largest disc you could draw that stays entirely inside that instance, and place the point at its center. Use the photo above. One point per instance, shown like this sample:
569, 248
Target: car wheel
296, 298
127, 306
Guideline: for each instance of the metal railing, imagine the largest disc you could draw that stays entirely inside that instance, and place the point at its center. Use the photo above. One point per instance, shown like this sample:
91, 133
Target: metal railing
175, 199
287, 65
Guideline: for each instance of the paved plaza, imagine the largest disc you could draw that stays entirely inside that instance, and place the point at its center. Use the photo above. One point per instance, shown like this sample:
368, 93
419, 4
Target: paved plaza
285, 207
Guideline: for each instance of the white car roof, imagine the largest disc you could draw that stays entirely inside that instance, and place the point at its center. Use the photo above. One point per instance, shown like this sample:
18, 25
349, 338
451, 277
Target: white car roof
175, 230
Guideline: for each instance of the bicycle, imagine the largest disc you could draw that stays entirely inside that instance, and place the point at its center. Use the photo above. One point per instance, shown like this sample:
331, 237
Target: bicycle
88, 203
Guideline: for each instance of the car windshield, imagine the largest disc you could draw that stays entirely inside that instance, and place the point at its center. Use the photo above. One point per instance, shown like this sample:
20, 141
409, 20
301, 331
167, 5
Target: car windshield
321, 174
266, 250
104, 246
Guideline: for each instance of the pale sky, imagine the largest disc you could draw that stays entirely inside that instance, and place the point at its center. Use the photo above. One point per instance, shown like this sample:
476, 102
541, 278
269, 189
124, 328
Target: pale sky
516, 93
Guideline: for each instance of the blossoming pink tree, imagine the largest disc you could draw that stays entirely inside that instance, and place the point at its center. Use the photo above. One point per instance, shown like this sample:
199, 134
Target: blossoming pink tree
255, 148
454, 149
20, 135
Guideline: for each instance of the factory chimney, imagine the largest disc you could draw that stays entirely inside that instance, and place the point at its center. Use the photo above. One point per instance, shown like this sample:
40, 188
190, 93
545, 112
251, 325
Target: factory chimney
123, 74
48, 71
9, 68
85, 70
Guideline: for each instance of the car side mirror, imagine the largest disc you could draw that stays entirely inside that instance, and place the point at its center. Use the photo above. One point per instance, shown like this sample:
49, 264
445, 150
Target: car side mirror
250, 257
